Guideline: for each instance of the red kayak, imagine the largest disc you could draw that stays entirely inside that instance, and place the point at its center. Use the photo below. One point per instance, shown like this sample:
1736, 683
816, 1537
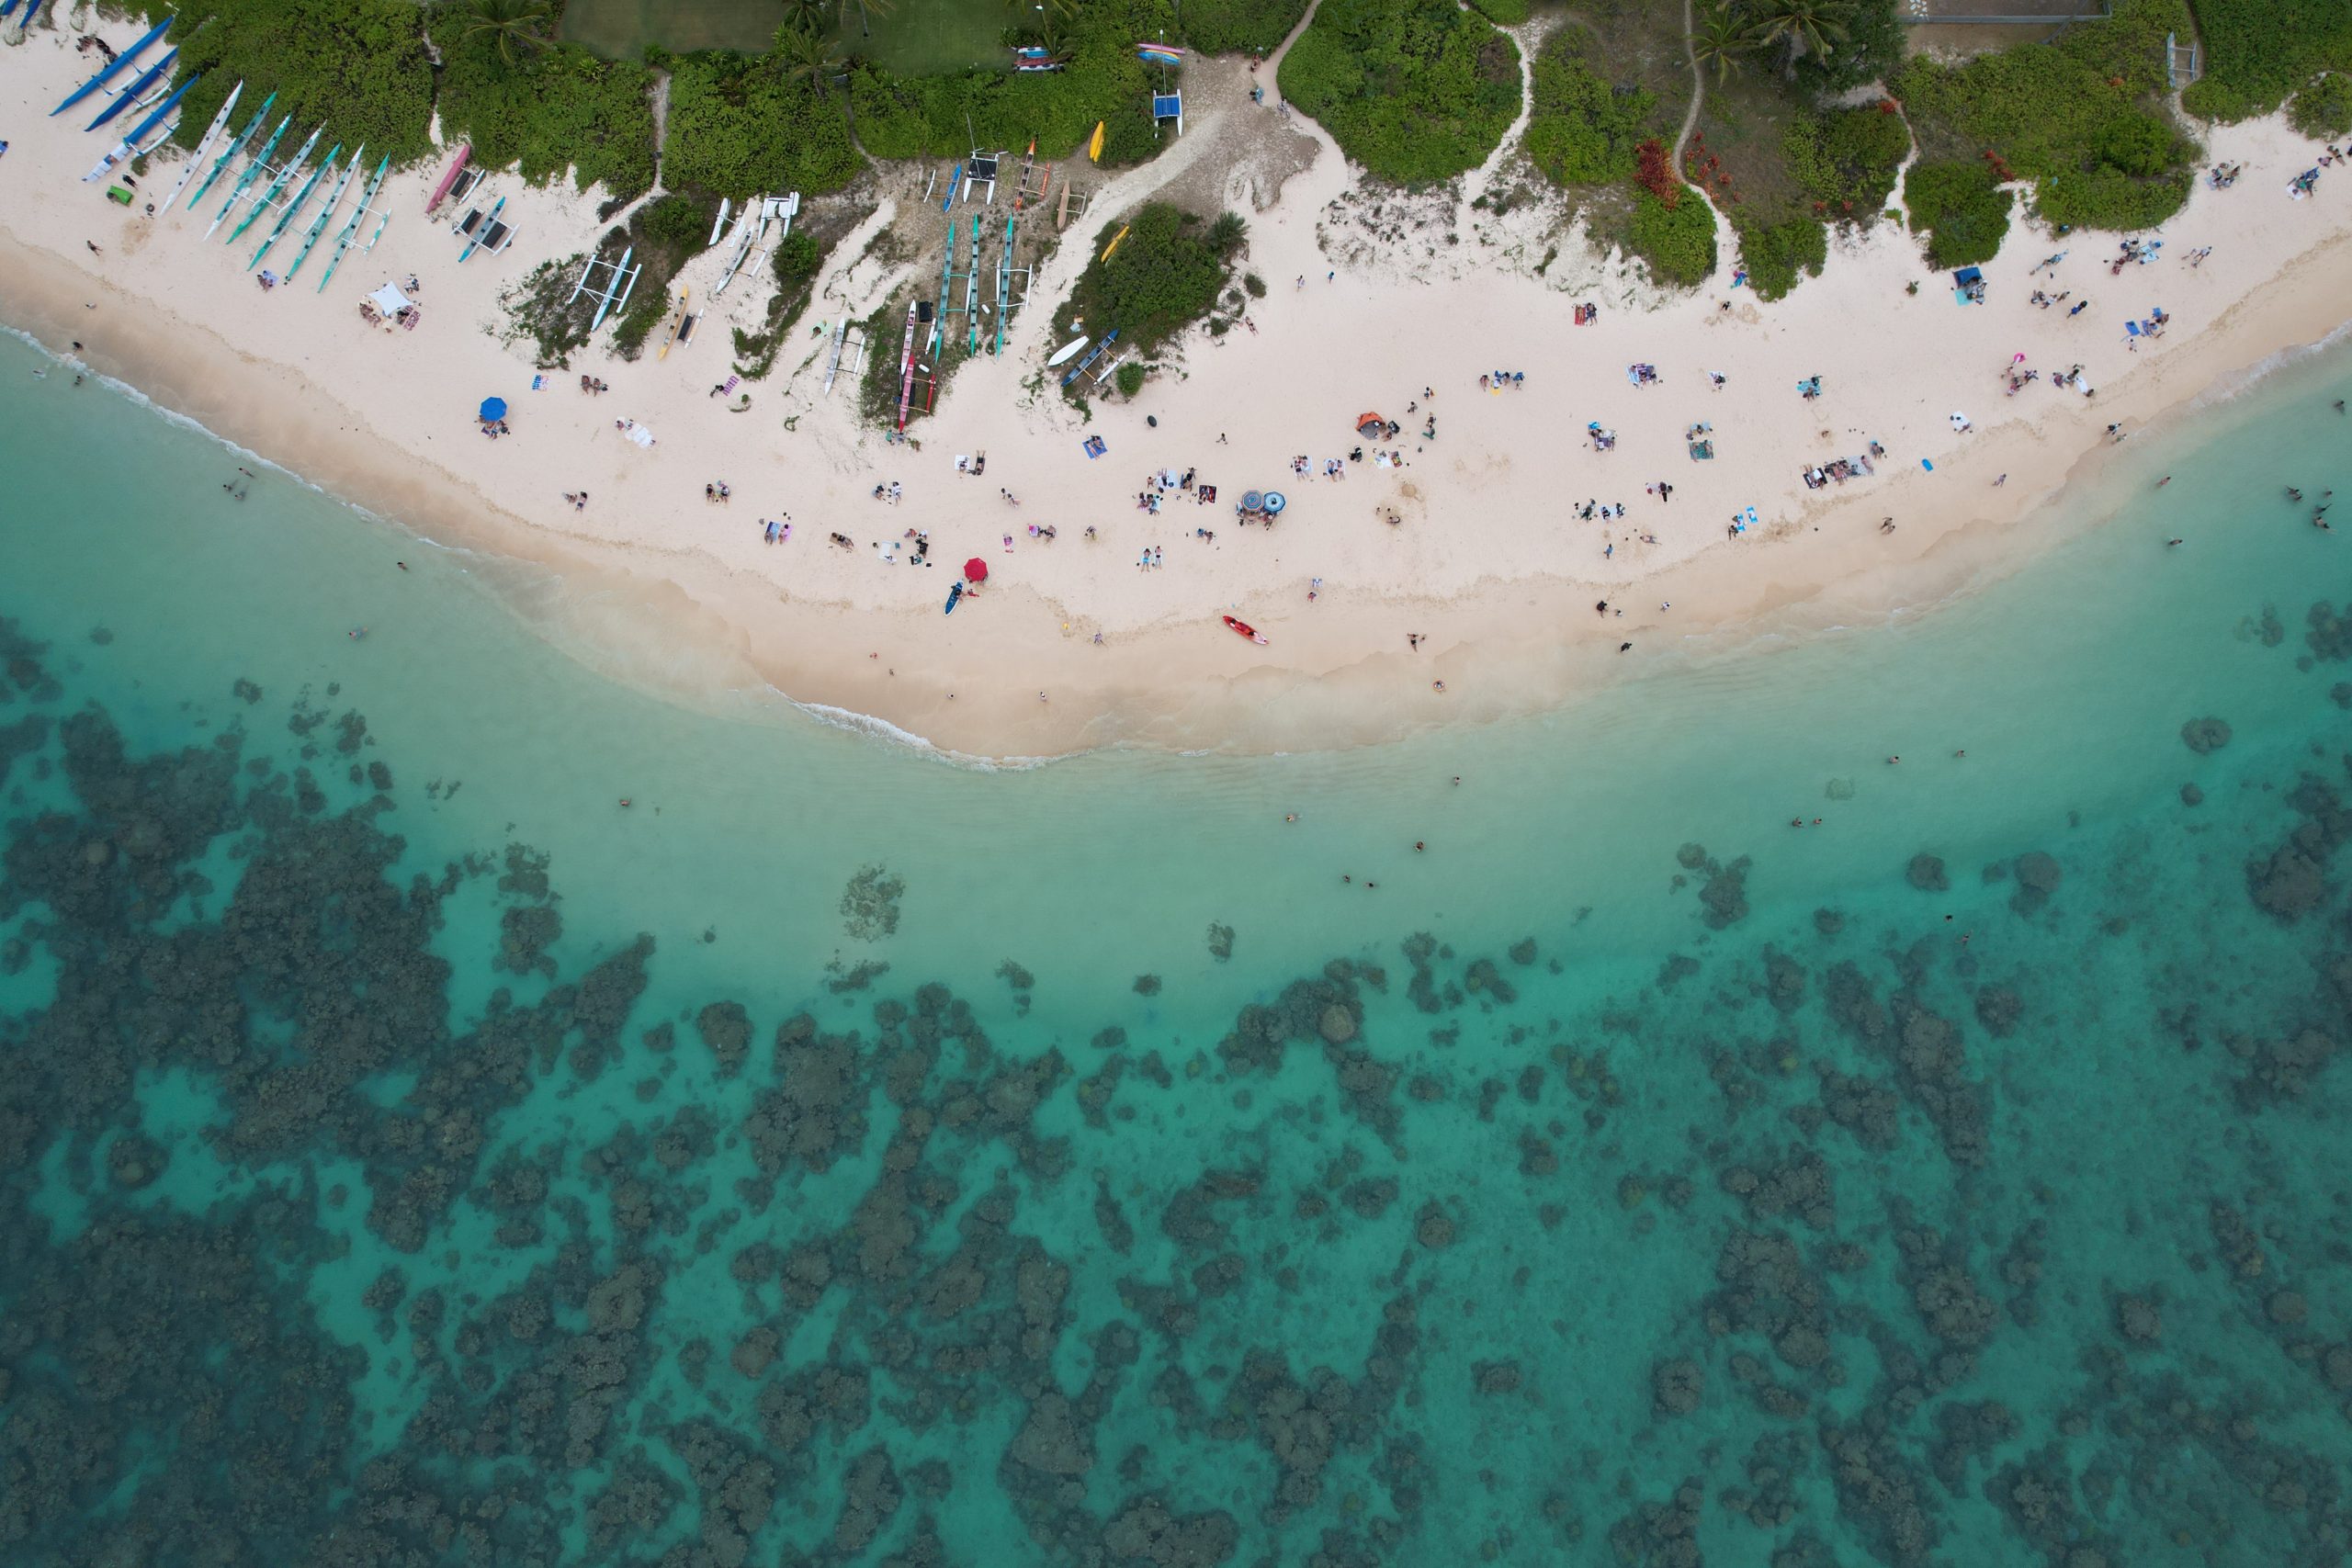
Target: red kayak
1244, 628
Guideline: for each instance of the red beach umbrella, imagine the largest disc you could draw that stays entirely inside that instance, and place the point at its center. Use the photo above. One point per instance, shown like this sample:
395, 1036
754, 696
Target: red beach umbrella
976, 569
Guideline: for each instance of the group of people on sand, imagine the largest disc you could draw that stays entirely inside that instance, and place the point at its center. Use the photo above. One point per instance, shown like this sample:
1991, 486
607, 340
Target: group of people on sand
717, 490
591, 386
1823, 474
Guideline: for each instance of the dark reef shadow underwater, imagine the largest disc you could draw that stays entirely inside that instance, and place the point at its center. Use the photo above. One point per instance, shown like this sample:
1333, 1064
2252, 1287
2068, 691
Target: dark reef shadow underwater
371, 1195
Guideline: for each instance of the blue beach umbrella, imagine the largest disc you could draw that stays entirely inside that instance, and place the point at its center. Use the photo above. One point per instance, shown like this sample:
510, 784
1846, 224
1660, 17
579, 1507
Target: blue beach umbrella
494, 409
1274, 502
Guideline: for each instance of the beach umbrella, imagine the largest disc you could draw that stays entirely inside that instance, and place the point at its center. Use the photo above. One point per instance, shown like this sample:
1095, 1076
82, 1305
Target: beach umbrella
1274, 502
1250, 500
977, 569
493, 409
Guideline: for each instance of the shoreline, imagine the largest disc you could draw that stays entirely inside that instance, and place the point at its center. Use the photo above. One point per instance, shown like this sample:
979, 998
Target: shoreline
1510, 633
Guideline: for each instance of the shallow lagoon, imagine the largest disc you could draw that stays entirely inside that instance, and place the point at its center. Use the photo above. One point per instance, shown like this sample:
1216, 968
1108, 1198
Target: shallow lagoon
841, 1156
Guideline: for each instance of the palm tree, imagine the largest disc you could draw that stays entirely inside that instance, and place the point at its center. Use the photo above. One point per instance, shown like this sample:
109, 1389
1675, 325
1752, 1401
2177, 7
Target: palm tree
516, 27
801, 16
810, 56
866, 11
1802, 28
1720, 39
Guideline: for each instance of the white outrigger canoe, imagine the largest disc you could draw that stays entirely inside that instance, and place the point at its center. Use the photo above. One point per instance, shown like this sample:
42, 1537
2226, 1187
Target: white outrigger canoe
211, 134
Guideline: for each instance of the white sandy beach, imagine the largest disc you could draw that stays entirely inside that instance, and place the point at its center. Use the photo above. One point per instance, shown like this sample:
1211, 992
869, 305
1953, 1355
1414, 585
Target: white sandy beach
1490, 563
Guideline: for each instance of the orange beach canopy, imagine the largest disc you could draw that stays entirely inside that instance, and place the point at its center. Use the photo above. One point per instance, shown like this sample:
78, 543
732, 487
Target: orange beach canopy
1368, 423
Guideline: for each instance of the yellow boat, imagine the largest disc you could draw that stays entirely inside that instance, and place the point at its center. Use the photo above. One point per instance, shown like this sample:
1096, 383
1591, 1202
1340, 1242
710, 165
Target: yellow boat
1094, 147
1115, 243
677, 320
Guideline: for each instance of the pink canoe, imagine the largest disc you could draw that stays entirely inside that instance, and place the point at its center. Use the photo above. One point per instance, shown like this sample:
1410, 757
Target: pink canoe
456, 167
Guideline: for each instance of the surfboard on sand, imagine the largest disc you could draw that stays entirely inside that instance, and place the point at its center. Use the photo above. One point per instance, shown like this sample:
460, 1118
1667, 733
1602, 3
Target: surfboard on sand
1069, 350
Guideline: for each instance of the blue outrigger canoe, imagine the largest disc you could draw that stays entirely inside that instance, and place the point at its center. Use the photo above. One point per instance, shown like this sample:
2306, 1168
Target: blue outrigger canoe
106, 72
129, 95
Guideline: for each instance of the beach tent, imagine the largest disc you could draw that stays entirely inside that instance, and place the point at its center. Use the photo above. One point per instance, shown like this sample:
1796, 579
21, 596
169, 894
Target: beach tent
390, 299
1371, 424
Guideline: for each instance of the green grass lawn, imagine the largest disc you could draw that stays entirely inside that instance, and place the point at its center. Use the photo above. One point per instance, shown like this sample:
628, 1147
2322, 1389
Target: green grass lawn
918, 37
619, 29
935, 37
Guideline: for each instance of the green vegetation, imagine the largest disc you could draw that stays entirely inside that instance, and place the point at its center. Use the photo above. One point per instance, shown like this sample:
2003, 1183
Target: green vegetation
2324, 108
2257, 52
910, 37
913, 117
513, 30
1775, 255
1580, 129
1845, 159
740, 127
799, 257
1607, 93
1504, 13
877, 395
360, 64
664, 235
554, 109
1168, 272
1414, 90
1961, 210
1676, 235
1222, 26
679, 224
1129, 380
1818, 46
2082, 114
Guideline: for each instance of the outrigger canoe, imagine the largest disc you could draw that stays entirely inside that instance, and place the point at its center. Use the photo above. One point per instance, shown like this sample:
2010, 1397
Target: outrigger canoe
1243, 628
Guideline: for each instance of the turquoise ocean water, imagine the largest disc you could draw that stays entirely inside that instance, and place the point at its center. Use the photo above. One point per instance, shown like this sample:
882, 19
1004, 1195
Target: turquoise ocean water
410, 1155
